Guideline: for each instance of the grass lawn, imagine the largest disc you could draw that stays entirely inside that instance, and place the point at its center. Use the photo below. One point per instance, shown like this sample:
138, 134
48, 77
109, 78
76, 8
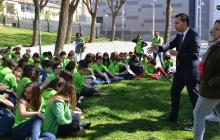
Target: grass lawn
131, 110
10, 36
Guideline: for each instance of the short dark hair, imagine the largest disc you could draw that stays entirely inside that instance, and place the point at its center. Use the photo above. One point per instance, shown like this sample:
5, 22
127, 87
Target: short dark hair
183, 17
153, 62
217, 21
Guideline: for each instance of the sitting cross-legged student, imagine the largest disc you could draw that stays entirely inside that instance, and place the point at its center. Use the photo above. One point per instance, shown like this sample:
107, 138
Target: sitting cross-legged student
47, 69
28, 118
58, 116
168, 65
135, 66
90, 75
7, 104
83, 88
57, 68
154, 73
119, 69
102, 72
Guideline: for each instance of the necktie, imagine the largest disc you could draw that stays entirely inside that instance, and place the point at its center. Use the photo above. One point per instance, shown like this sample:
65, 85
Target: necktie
181, 41
180, 47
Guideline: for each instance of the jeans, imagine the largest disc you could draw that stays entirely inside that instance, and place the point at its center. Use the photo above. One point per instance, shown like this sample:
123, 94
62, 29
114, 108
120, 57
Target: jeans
160, 55
87, 92
6, 122
203, 107
31, 128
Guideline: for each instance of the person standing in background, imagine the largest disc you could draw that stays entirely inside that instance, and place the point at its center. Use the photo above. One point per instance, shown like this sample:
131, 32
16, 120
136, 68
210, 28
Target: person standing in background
158, 40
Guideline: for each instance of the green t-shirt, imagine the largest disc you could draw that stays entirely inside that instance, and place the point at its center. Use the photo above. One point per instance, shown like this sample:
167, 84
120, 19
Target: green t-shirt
99, 67
51, 76
15, 57
20, 119
79, 80
144, 62
47, 94
21, 85
31, 61
10, 81
8, 55
57, 113
3, 72
148, 69
139, 48
114, 68
167, 64
157, 41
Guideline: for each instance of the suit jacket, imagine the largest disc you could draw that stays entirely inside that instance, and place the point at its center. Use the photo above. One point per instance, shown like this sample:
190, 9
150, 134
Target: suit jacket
188, 55
210, 82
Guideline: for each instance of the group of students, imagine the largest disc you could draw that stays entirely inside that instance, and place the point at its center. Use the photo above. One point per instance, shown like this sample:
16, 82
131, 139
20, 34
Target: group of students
41, 93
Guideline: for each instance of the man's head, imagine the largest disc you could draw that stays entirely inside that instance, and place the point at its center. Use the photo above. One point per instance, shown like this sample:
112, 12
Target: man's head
181, 22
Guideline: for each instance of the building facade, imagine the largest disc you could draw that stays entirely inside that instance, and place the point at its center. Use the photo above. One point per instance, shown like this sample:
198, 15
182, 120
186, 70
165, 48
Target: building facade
138, 17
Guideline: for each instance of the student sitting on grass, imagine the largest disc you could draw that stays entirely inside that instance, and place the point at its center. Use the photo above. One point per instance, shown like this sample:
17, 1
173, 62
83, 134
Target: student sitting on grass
168, 65
58, 115
106, 59
135, 66
7, 104
46, 69
57, 68
83, 87
17, 54
70, 57
154, 73
28, 119
51, 90
144, 61
102, 72
90, 75
29, 75
118, 69
8, 66
62, 59
11, 79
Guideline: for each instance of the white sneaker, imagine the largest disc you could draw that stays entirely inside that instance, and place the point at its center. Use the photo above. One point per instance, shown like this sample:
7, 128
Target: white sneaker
212, 117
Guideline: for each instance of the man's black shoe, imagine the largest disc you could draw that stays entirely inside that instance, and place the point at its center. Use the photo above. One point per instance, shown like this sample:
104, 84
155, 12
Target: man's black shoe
169, 120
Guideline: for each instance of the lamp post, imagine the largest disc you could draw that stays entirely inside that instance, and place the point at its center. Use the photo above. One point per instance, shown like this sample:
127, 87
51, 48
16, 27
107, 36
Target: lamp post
39, 30
123, 23
153, 17
106, 25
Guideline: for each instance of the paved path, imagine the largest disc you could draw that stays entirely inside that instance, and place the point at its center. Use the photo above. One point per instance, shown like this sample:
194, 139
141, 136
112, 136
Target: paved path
101, 47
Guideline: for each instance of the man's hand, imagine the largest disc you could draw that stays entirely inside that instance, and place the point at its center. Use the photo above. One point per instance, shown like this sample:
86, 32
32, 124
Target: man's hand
173, 52
152, 49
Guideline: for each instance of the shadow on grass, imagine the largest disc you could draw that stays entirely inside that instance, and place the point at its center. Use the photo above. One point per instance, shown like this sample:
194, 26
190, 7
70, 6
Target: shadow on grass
131, 126
131, 106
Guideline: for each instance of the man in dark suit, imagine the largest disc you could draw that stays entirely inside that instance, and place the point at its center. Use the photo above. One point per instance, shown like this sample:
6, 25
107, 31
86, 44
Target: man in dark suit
187, 44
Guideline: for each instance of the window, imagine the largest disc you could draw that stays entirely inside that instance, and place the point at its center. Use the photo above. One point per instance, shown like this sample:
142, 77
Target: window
131, 2
177, 5
218, 7
26, 7
99, 19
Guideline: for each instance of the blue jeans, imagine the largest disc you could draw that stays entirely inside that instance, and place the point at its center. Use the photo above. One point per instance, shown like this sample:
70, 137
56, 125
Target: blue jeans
31, 128
6, 122
160, 55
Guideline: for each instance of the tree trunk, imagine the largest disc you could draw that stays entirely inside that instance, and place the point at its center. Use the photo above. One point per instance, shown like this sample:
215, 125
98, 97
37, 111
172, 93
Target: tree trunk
93, 29
69, 27
113, 27
168, 22
36, 25
63, 19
